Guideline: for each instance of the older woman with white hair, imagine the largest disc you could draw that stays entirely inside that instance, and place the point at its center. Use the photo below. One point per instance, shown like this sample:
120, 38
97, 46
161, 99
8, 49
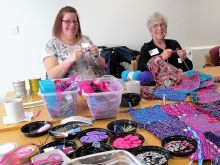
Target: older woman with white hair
168, 49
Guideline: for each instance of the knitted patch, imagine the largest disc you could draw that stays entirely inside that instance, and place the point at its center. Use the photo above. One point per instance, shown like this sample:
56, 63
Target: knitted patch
205, 95
204, 146
201, 122
213, 138
207, 83
170, 94
203, 76
162, 129
148, 115
212, 109
147, 92
188, 84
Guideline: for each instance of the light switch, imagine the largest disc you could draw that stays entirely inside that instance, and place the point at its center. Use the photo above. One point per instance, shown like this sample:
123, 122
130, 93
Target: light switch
14, 29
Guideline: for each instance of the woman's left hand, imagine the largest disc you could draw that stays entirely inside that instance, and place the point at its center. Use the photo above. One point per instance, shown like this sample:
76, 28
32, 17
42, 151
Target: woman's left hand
182, 54
94, 50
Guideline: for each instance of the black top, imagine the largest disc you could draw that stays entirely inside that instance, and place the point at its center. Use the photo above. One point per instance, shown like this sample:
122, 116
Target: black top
149, 50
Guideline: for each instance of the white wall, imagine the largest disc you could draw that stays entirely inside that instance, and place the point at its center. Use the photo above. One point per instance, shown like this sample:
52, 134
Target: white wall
107, 22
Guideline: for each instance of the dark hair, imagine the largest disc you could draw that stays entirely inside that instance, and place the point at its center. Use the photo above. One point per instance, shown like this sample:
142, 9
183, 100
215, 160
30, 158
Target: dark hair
58, 21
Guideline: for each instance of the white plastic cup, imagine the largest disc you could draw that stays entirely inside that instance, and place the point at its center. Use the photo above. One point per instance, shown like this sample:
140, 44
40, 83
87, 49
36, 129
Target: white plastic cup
14, 109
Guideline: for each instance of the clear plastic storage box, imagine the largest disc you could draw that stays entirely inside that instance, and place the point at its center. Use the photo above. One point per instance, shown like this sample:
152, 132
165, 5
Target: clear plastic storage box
114, 157
105, 104
61, 104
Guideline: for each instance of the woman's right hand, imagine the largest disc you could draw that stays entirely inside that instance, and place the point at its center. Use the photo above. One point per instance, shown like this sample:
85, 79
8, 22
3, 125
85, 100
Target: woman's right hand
166, 54
76, 55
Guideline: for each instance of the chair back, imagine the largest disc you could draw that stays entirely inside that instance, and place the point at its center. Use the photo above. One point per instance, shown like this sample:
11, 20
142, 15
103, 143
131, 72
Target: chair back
214, 55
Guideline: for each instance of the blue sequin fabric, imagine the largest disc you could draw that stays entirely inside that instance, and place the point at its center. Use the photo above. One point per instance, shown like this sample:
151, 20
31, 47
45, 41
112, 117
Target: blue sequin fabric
149, 115
170, 94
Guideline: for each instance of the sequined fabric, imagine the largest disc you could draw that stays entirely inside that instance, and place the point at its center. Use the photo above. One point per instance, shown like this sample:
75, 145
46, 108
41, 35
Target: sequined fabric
180, 109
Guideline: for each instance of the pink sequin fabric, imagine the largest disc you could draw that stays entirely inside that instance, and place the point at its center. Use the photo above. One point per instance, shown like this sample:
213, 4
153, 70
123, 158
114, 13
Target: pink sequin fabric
164, 73
180, 109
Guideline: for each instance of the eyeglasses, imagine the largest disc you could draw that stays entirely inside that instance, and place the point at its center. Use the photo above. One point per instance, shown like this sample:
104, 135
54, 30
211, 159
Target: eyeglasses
158, 25
69, 22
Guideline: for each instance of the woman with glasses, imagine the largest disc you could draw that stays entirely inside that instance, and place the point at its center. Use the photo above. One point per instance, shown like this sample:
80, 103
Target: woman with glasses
67, 48
167, 49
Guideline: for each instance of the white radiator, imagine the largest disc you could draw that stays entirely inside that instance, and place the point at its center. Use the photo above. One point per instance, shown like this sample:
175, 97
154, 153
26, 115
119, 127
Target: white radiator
197, 55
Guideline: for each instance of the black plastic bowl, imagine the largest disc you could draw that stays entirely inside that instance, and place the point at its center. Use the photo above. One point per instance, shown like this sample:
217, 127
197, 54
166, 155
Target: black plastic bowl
178, 139
60, 144
133, 98
31, 129
145, 150
122, 126
123, 135
89, 130
89, 149
65, 128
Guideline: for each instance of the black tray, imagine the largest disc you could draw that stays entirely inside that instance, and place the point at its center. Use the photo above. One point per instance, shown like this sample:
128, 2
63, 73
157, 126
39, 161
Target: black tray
178, 139
149, 150
60, 143
89, 149
65, 127
30, 129
116, 127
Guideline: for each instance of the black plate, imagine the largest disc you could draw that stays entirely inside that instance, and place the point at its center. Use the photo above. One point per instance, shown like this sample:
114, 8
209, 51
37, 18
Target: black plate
178, 139
84, 133
30, 129
122, 135
65, 128
133, 98
118, 126
60, 143
149, 150
89, 149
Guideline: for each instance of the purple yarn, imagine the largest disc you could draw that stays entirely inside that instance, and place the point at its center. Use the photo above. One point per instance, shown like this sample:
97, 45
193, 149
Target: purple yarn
145, 78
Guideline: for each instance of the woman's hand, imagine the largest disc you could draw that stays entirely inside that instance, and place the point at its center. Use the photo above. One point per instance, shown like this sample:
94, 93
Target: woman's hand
94, 50
76, 55
182, 54
166, 54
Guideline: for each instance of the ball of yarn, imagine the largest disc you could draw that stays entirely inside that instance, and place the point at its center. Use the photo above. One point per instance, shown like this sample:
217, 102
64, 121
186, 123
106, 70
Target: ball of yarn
136, 75
124, 75
145, 78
